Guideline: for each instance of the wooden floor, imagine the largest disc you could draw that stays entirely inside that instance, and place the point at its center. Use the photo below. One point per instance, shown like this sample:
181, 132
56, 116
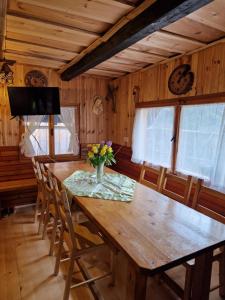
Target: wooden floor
26, 268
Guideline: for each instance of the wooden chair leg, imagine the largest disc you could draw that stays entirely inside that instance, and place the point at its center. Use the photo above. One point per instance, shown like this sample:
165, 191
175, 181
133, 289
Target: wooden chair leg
37, 208
45, 221
59, 253
69, 278
41, 220
53, 236
222, 274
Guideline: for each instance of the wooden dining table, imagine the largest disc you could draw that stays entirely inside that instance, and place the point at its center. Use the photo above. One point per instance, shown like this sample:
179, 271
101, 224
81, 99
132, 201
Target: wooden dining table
154, 232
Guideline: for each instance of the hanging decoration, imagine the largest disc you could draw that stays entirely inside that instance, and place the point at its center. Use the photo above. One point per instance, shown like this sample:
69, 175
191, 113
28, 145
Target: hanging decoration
97, 107
6, 74
136, 94
111, 95
35, 78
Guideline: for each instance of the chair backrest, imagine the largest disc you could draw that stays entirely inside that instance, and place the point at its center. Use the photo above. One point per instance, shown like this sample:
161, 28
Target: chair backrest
199, 188
64, 213
159, 174
34, 163
45, 182
187, 182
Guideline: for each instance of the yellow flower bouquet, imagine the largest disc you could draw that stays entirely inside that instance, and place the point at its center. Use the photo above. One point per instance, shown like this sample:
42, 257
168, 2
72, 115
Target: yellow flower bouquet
100, 155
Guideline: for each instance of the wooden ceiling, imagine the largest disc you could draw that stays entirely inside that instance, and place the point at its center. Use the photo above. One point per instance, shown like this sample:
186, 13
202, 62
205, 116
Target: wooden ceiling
54, 33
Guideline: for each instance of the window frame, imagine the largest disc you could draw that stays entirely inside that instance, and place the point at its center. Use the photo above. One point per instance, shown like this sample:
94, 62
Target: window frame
52, 155
177, 103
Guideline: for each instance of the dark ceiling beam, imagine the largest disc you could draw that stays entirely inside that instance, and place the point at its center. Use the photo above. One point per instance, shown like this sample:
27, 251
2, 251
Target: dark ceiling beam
158, 15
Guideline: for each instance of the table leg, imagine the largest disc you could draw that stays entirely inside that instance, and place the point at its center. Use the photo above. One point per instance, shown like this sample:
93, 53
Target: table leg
202, 276
222, 273
140, 287
136, 284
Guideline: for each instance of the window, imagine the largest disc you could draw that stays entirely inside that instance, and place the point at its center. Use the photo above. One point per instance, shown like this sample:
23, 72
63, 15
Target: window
66, 137
52, 135
40, 136
201, 142
199, 147
152, 136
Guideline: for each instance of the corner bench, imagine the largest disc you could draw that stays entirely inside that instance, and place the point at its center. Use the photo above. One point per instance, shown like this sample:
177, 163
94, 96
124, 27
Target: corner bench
17, 180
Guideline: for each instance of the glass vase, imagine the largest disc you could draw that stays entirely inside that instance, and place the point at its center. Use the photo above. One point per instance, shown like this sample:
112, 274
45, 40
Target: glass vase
100, 172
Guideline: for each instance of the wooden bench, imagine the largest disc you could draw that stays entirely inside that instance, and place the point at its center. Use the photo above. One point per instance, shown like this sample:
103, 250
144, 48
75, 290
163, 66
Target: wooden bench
17, 181
20, 184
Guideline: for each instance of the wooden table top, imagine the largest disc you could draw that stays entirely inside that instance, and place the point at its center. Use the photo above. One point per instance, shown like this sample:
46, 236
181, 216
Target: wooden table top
155, 232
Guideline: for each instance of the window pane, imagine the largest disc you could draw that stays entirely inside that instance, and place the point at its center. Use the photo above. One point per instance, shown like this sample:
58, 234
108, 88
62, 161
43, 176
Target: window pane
152, 134
38, 132
66, 139
199, 141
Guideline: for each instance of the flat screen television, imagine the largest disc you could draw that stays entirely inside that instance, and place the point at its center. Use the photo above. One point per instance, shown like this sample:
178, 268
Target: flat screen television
25, 101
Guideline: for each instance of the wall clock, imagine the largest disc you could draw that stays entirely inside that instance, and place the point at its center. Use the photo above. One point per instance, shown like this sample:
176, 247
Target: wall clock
181, 80
36, 78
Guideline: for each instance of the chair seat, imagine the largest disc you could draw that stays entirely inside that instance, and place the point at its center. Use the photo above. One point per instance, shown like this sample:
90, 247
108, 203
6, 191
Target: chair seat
86, 236
79, 217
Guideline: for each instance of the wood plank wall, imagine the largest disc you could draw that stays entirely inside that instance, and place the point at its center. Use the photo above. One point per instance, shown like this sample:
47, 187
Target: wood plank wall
208, 66
79, 91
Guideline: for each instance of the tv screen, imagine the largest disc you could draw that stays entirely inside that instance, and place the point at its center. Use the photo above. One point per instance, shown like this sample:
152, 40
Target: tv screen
25, 101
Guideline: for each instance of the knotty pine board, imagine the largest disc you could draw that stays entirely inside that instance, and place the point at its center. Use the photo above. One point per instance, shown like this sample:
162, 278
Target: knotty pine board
208, 66
79, 91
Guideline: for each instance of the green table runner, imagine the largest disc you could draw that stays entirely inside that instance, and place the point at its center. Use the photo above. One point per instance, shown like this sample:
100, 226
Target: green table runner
113, 186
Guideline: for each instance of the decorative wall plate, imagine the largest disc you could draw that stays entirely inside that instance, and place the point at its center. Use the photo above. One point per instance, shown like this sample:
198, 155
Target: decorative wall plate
36, 78
181, 80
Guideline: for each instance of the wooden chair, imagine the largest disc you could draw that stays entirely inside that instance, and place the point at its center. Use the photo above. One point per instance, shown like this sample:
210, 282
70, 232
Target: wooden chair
158, 173
76, 245
47, 207
200, 207
189, 266
188, 182
39, 199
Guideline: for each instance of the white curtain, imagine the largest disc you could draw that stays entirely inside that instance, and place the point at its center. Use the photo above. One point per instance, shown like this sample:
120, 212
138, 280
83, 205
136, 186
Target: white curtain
218, 174
152, 134
68, 118
139, 135
31, 124
201, 149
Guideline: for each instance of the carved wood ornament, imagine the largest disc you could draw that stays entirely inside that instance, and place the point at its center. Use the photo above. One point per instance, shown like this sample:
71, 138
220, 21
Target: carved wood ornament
136, 94
111, 95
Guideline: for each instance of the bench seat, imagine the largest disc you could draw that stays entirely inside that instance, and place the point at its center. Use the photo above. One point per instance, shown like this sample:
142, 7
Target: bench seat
21, 184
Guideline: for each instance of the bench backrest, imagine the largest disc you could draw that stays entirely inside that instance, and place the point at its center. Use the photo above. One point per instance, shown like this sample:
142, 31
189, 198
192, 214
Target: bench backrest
12, 167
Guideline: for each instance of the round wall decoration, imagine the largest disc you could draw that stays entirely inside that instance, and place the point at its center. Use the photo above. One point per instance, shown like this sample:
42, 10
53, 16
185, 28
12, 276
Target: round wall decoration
35, 78
181, 80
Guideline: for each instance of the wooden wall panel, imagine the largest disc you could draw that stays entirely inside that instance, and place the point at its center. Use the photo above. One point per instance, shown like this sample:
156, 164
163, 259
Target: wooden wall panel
79, 91
9, 129
208, 66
